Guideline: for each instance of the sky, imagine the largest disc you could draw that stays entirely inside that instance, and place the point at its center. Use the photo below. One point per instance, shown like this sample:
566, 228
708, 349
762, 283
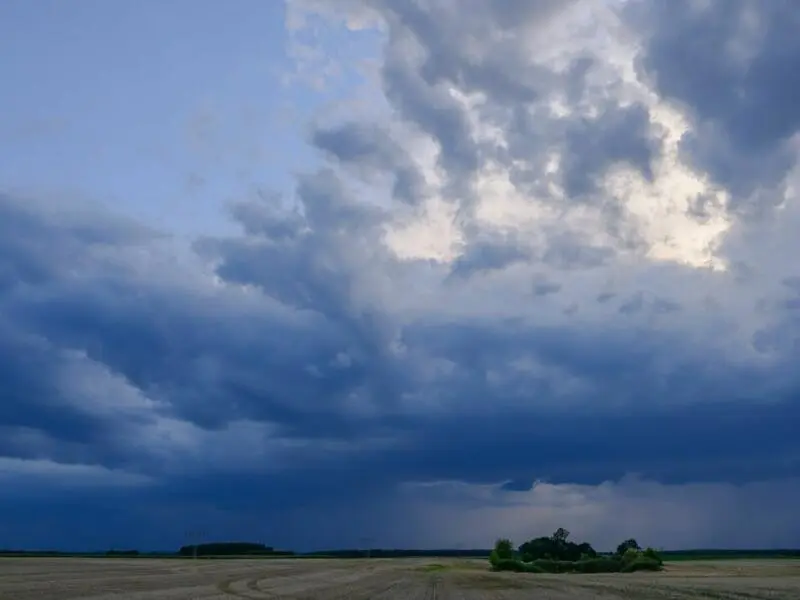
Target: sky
337, 273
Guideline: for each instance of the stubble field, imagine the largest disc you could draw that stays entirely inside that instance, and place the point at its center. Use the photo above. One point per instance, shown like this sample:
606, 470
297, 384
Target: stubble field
380, 579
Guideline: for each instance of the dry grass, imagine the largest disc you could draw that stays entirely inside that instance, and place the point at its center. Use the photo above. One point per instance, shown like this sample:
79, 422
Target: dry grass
381, 579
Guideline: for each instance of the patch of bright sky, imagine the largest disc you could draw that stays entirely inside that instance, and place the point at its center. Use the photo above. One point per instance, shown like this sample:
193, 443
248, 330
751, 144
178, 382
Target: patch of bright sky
164, 110
659, 210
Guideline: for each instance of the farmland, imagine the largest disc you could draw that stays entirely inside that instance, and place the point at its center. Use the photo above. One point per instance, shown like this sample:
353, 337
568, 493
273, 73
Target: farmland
380, 579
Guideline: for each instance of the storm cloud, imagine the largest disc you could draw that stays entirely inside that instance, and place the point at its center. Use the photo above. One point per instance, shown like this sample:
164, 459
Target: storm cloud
491, 306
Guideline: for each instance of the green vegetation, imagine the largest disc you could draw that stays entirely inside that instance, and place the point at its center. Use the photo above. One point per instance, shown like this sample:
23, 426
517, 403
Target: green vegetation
556, 554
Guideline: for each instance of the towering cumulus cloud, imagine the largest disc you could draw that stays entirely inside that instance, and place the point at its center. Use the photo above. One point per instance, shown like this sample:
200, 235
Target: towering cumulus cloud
541, 272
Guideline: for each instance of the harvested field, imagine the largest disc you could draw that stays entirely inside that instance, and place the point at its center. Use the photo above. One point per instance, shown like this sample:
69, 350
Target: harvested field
380, 579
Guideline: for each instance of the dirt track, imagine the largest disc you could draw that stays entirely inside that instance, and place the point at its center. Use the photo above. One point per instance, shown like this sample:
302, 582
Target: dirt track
411, 579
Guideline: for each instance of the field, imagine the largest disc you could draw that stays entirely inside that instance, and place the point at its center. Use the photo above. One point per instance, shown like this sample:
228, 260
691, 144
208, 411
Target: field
380, 579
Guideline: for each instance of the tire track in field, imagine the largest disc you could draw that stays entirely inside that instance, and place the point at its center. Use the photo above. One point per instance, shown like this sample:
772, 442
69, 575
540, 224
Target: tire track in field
387, 592
434, 588
253, 590
656, 590
692, 593
268, 585
229, 587
360, 586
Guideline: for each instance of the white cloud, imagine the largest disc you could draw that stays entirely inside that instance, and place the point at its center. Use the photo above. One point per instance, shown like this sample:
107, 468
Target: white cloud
658, 211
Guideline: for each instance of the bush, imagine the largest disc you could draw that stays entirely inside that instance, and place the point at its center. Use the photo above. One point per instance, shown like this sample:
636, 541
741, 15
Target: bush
630, 555
653, 555
503, 551
642, 564
548, 565
494, 559
591, 565
532, 568
509, 564
517, 566
504, 548
599, 565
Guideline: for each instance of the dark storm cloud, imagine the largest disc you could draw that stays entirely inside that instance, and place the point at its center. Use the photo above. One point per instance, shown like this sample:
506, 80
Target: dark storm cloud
604, 297
619, 135
543, 287
211, 365
25, 222
434, 111
734, 66
215, 362
630, 369
370, 146
297, 374
676, 445
204, 356
206, 364
488, 255
566, 251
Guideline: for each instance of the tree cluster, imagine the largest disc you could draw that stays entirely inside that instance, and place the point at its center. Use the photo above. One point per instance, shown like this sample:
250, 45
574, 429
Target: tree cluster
555, 547
231, 549
556, 554
400, 553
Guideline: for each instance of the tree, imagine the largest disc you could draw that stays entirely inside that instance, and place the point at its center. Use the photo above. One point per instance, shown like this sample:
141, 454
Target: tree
504, 548
556, 547
562, 549
537, 548
586, 550
627, 544
560, 536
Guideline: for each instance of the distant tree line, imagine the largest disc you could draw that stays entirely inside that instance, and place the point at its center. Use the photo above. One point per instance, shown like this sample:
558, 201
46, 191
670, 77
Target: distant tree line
555, 547
722, 554
231, 549
557, 554
402, 553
